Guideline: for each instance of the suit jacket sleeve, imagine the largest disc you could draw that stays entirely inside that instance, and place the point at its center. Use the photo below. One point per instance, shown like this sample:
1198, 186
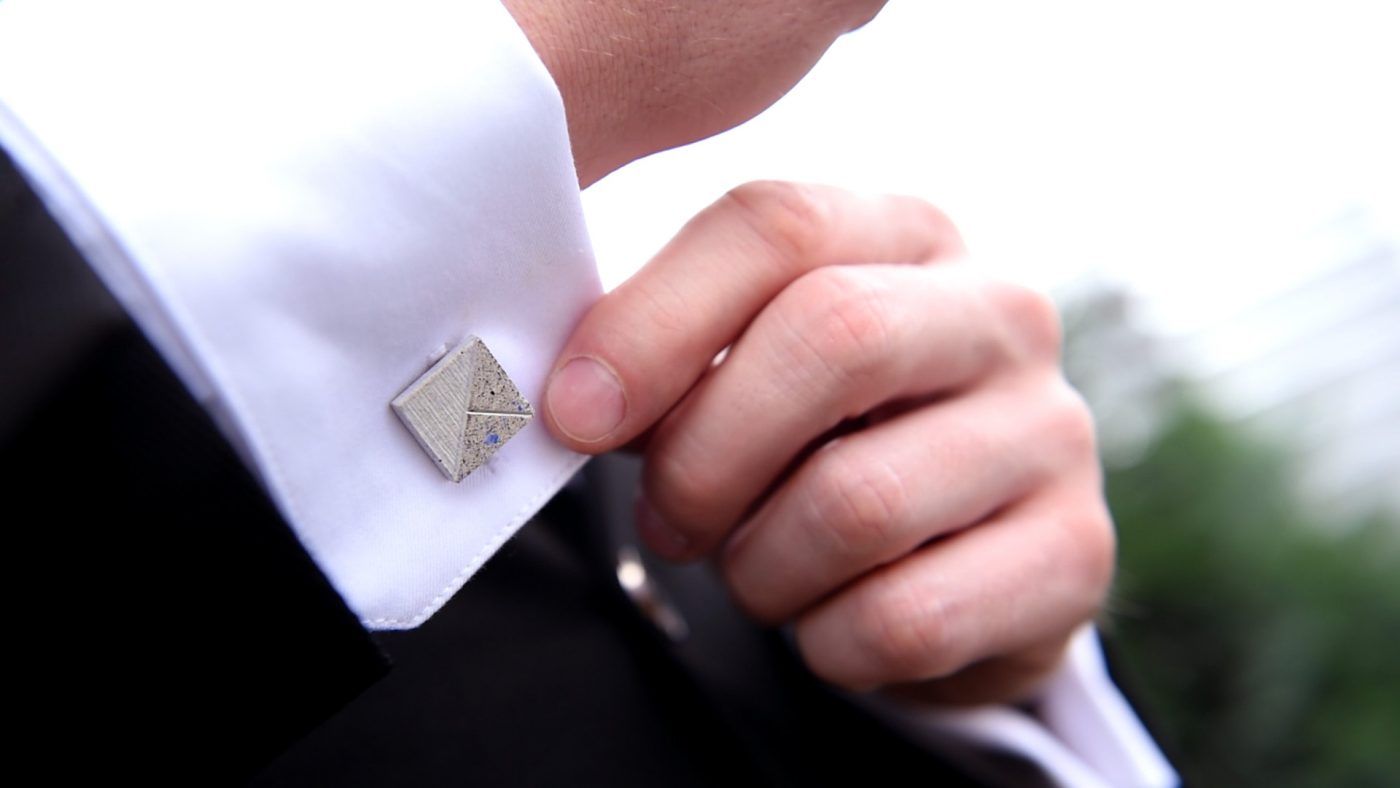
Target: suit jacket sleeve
167, 615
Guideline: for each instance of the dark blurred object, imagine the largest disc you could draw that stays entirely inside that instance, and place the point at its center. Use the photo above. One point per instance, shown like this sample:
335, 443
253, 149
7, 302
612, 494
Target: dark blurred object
168, 623
1262, 627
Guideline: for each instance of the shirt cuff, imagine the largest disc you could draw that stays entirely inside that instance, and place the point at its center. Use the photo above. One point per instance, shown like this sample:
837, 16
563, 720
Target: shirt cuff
304, 204
1084, 735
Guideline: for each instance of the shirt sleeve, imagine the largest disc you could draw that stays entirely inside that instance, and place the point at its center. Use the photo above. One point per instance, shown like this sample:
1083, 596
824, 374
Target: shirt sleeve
1083, 734
304, 205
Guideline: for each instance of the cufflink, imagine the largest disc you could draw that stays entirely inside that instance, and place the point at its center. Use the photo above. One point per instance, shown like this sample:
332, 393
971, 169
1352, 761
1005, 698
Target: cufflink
463, 409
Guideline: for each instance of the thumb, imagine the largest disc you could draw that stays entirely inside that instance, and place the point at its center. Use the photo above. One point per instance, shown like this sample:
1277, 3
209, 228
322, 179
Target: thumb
641, 348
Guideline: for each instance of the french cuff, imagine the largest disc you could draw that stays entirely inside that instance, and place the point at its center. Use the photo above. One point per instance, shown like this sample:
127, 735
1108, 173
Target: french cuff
1085, 735
305, 205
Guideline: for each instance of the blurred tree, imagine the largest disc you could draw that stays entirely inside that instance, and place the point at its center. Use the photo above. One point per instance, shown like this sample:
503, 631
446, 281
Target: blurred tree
1265, 635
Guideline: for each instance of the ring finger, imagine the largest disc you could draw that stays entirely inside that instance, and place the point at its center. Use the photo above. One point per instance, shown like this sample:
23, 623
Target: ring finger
835, 344
873, 496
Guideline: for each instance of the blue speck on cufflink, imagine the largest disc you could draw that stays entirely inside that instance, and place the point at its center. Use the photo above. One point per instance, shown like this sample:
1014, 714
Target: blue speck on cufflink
463, 410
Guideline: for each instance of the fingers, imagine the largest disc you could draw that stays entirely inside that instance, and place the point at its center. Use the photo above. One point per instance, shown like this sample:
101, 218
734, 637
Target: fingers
1008, 678
642, 347
959, 524
835, 344
876, 495
1008, 586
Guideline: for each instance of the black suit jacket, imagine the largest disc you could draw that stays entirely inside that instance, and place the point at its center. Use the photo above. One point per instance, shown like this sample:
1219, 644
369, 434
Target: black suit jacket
170, 625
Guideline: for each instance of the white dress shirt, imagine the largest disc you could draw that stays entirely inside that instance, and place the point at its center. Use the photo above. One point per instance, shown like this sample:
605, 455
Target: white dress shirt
303, 205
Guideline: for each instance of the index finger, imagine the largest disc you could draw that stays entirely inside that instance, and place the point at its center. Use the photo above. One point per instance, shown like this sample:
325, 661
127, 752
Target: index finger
643, 346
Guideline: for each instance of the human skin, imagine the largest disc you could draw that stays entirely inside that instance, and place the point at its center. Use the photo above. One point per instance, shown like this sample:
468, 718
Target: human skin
640, 76
888, 455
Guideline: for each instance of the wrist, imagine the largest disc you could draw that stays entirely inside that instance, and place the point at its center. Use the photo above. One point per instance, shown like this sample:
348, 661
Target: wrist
594, 89
640, 76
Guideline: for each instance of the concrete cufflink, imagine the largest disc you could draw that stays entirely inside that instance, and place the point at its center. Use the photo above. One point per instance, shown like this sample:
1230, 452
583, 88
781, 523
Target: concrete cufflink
463, 409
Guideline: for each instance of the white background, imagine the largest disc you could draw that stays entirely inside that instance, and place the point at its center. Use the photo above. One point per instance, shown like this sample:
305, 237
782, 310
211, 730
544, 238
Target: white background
1232, 165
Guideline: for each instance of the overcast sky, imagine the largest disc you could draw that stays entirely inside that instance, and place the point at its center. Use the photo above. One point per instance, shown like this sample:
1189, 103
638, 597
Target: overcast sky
1174, 145
1221, 161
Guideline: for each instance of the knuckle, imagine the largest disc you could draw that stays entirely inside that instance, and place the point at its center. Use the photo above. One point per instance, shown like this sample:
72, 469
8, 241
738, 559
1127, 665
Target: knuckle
844, 318
1072, 424
663, 310
817, 650
937, 222
862, 11
1031, 321
1086, 521
1084, 560
682, 492
1096, 549
757, 602
787, 217
859, 505
902, 633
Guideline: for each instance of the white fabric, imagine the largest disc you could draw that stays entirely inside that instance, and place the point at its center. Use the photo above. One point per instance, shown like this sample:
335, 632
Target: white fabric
1084, 734
304, 203
1088, 713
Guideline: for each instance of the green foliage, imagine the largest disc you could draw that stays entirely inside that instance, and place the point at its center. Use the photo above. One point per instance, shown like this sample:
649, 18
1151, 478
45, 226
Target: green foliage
1266, 637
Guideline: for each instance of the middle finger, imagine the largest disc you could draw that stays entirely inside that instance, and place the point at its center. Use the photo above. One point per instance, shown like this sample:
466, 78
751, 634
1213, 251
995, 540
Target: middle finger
832, 346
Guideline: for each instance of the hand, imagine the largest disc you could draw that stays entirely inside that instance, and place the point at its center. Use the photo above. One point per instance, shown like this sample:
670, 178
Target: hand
887, 455
640, 76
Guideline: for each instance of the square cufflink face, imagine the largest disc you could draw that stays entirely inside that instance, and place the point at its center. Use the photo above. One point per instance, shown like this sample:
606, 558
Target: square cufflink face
463, 409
